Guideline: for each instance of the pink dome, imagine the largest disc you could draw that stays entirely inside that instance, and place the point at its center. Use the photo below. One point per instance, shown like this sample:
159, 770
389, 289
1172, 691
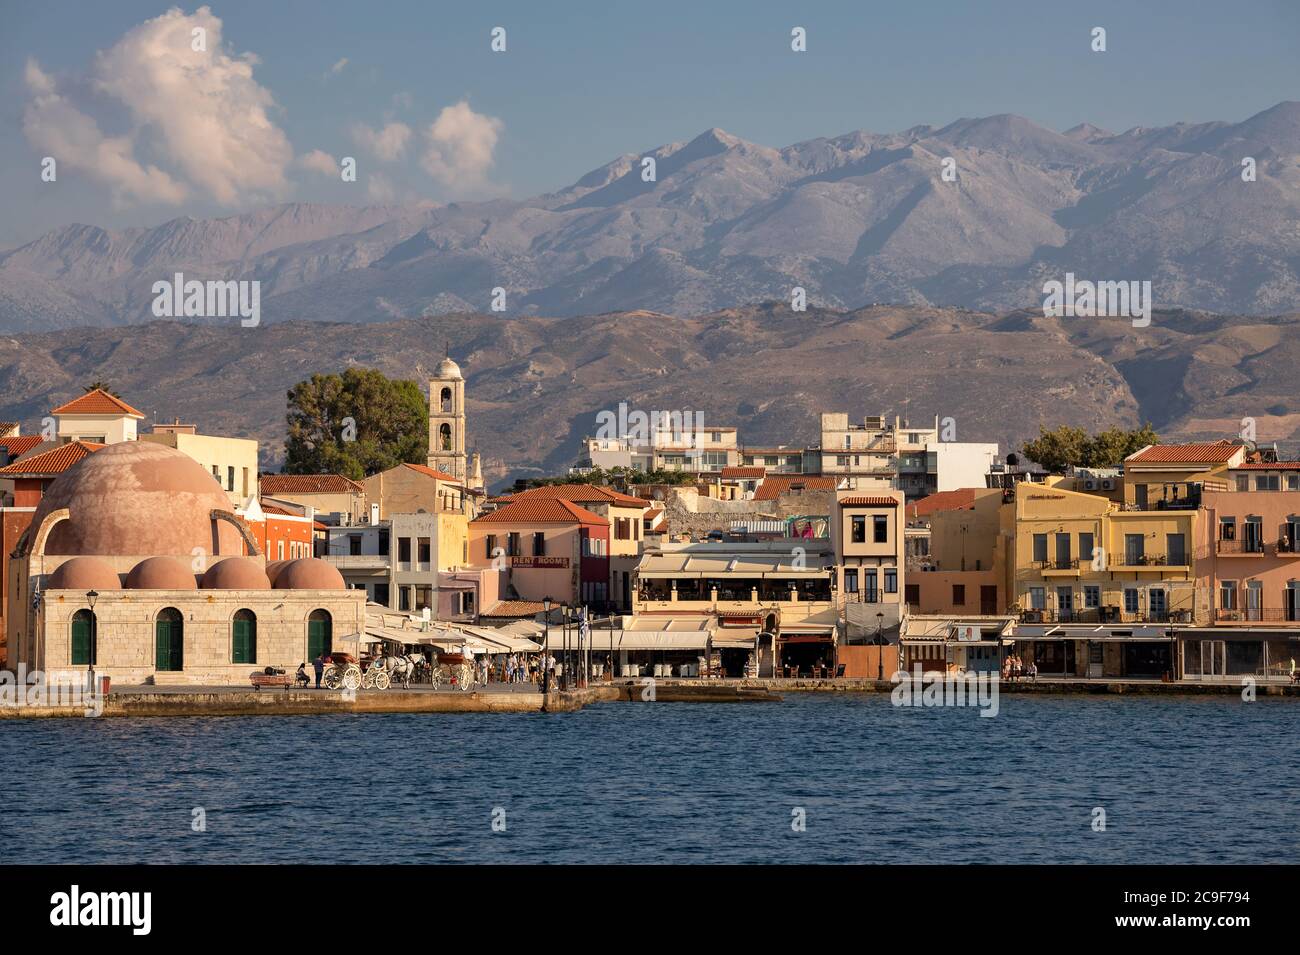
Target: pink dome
273, 569
161, 573
309, 573
84, 573
236, 573
137, 498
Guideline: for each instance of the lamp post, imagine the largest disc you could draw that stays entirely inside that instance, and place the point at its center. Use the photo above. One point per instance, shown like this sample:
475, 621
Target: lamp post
880, 645
546, 645
91, 597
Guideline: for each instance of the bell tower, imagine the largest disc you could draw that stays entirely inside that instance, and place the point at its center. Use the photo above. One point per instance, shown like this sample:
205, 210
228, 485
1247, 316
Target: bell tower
447, 420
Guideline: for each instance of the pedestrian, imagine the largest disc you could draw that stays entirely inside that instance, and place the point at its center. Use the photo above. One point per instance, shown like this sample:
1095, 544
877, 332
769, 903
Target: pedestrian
319, 666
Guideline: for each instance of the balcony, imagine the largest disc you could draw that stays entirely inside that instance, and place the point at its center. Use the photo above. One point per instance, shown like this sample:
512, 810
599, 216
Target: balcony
1257, 615
1067, 567
1287, 548
1240, 548
1133, 562
1109, 614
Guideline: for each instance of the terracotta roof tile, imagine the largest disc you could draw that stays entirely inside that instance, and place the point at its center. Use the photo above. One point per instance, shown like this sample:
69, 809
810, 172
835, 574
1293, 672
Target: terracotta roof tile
514, 608
52, 462
774, 485
962, 499
1216, 453
20, 445
868, 502
742, 471
434, 473
581, 494
98, 401
274, 484
541, 511
1249, 466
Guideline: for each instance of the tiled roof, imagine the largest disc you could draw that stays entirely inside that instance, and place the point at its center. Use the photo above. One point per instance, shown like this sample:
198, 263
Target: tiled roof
774, 485
52, 462
8, 425
273, 484
540, 511
98, 401
514, 608
581, 494
740, 471
868, 502
1216, 453
962, 499
434, 473
20, 445
1250, 466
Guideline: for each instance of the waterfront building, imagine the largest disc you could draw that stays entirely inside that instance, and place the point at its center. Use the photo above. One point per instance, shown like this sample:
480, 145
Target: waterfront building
967, 539
544, 547
626, 517
1100, 588
135, 566
948, 643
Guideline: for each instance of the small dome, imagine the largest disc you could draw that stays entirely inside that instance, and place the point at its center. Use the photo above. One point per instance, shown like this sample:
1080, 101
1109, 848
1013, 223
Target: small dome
447, 369
309, 573
161, 573
235, 573
273, 569
84, 573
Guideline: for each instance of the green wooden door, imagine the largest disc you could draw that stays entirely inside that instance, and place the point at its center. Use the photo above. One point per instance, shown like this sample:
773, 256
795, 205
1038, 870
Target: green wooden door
82, 653
318, 636
242, 649
169, 645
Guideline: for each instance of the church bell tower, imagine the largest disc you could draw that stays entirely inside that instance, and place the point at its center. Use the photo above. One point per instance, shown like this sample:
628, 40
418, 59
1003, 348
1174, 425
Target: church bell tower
447, 420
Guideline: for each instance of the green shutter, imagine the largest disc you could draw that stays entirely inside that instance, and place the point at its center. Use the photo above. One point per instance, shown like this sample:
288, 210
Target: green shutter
168, 645
81, 641
318, 638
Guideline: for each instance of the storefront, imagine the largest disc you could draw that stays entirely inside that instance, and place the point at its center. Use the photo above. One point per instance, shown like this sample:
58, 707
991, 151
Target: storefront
806, 651
1097, 652
1224, 653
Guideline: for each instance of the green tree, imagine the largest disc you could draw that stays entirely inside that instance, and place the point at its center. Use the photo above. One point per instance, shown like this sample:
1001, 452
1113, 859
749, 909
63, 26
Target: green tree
1059, 449
100, 384
356, 424
1109, 448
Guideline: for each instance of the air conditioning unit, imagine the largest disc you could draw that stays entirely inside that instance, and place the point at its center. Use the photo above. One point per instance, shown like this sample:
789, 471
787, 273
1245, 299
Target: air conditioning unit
1090, 485
1108, 485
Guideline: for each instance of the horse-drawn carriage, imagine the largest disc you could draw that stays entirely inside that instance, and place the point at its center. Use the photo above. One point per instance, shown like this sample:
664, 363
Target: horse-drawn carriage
343, 672
454, 668
386, 669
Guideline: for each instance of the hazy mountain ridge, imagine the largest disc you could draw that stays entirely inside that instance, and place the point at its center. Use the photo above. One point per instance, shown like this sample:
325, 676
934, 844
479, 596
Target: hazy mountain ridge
855, 219
535, 384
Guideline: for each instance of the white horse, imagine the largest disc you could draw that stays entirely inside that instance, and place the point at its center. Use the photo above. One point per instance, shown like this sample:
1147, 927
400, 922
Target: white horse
400, 668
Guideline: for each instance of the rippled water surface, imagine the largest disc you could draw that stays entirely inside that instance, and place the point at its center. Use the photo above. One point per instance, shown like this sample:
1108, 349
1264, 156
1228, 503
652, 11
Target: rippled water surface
1181, 780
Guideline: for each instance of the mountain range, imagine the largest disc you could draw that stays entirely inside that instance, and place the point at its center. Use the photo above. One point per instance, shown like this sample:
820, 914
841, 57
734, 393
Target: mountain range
535, 384
857, 219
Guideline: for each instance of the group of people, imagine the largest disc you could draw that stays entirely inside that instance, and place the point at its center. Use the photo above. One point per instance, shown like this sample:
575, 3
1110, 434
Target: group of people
514, 668
1013, 668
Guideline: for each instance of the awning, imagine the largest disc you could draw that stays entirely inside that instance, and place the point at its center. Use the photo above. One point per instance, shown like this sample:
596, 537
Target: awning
806, 638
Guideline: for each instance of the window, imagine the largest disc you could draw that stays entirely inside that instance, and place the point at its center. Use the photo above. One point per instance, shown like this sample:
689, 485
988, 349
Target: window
872, 594
83, 638
230, 477
1243, 482
1293, 482
1175, 549
1062, 551
381, 594
539, 543
512, 544
1085, 547
279, 547
424, 550
1227, 528
490, 545
1037, 598
354, 545
1227, 595
404, 550
859, 533
243, 637
959, 595
320, 633
1040, 548
1130, 600
384, 543
880, 528
1267, 482
1134, 549
1091, 597
891, 580
851, 580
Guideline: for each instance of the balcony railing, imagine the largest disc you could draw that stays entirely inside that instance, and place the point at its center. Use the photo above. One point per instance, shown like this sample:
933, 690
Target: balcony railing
1071, 563
1238, 548
1257, 615
1108, 614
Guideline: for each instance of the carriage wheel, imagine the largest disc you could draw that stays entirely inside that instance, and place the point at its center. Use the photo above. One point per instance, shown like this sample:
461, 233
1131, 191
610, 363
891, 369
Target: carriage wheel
368, 678
331, 679
352, 678
382, 680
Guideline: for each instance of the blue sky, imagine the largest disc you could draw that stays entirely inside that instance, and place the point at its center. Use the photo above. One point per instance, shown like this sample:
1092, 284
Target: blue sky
584, 82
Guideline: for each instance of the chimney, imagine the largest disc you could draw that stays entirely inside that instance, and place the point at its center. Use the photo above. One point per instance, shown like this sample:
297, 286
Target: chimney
374, 514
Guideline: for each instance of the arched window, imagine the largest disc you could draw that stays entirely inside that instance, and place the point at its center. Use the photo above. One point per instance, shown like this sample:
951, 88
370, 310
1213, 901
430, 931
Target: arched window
444, 437
243, 637
83, 638
320, 633
169, 640
446, 401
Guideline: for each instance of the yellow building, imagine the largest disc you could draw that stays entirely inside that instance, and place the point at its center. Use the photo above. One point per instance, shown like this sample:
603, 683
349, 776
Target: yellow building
231, 461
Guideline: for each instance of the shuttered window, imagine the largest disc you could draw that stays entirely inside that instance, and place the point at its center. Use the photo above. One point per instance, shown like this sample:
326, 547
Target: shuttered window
243, 637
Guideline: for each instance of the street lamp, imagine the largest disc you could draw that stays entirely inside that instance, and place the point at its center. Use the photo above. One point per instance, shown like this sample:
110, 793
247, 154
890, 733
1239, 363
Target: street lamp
546, 645
880, 645
91, 597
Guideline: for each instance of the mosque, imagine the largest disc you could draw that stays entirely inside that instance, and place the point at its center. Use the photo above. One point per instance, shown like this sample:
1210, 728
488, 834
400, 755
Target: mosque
136, 565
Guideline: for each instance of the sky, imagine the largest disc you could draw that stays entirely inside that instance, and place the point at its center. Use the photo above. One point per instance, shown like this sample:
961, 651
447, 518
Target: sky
144, 129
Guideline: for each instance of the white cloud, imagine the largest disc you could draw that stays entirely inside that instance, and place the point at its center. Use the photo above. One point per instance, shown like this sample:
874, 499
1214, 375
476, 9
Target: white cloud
319, 161
460, 143
198, 113
387, 144
379, 189
337, 68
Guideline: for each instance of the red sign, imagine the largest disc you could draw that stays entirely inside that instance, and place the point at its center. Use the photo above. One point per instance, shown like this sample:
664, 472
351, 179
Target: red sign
539, 562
